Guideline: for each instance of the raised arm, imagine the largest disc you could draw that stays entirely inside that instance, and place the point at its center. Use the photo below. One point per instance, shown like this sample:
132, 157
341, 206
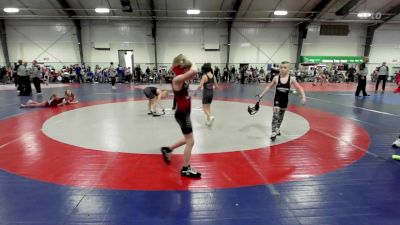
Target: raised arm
188, 75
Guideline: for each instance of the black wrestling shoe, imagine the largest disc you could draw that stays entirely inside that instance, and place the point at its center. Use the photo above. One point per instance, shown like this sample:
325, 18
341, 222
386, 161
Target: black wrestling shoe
156, 115
165, 151
189, 172
273, 136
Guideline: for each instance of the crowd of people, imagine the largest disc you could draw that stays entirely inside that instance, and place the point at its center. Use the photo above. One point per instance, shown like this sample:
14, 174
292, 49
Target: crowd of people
23, 75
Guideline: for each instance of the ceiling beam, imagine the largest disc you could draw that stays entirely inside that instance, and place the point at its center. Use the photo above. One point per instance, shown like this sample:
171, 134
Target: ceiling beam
71, 13
138, 7
393, 12
235, 9
276, 6
25, 6
345, 10
302, 27
248, 8
109, 6
61, 12
220, 7
80, 5
3, 40
126, 5
154, 31
233, 16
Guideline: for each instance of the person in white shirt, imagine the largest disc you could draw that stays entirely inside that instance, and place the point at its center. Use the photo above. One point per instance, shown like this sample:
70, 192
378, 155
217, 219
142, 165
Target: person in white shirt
36, 75
23, 75
112, 73
128, 74
383, 73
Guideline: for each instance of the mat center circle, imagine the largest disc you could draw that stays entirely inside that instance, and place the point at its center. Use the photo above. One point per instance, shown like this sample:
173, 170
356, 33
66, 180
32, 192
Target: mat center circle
126, 127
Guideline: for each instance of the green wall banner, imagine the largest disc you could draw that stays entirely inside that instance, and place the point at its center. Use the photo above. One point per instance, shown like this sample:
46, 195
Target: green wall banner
331, 59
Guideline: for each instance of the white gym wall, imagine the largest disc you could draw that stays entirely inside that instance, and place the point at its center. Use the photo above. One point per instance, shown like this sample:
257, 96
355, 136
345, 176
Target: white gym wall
254, 43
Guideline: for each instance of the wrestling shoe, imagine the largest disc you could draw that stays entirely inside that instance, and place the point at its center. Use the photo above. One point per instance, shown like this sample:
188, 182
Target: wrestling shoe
189, 172
165, 151
273, 136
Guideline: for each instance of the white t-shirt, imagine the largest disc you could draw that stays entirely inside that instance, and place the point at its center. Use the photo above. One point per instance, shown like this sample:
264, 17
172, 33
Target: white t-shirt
21, 71
36, 71
383, 70
111, 70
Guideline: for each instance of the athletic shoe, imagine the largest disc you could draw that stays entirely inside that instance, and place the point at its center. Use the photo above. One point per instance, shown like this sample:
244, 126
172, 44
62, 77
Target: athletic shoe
150, 113
273, 136
29, 101
165, 151
189, 172
211, 121
396, 143
39, 93
113, 87
278, 132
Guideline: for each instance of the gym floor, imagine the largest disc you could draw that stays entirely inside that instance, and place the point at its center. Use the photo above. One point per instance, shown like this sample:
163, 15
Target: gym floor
98, 161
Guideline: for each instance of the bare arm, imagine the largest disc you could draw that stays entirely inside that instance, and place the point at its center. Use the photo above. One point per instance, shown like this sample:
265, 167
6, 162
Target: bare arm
189, 75
215, 82
300, 89
268, 87
159, 101
203, 80
73, 102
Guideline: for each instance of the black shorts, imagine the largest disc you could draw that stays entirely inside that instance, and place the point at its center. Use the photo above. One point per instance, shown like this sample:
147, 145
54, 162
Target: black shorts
183, 119
147, 92
281, 103
207, 98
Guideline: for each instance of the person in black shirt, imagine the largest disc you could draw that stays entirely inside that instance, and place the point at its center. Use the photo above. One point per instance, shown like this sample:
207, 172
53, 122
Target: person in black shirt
226, 74
138, 72
362, 79
350, 74
207, 83
243, 74
233, 72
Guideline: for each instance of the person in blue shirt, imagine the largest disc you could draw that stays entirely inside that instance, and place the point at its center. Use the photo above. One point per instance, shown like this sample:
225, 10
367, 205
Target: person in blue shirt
78, 72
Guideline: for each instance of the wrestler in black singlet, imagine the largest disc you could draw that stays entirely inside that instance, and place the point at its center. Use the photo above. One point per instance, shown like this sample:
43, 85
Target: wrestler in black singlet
208, 91
282, 93
150, 92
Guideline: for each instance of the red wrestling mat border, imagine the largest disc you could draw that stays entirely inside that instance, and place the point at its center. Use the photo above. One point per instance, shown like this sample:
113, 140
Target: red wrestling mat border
331, 143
